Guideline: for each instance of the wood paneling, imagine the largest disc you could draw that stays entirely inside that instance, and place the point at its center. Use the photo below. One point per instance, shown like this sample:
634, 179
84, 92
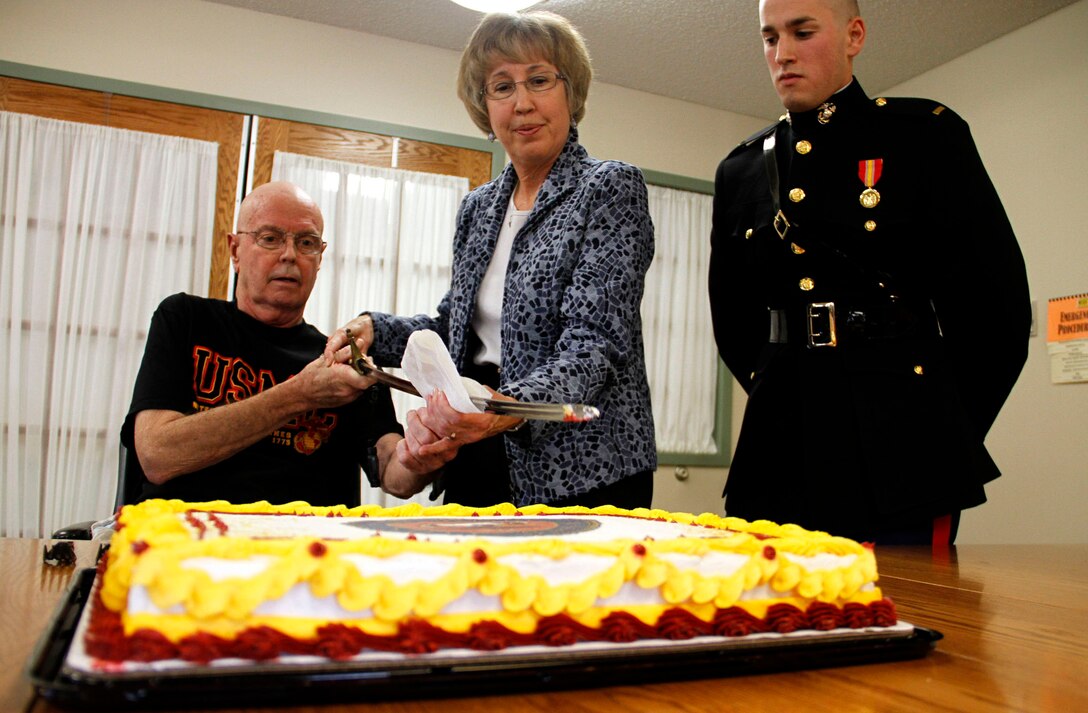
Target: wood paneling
366, 149
124, 112
225, 128
447, 160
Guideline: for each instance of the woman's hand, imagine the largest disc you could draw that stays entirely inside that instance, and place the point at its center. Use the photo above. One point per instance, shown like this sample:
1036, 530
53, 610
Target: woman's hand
446, 422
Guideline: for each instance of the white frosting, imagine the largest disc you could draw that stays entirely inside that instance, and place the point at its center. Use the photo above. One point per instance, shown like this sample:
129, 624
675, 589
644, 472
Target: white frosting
300, 601
712, 564
569, 570
221, 568
404, 568
407, 567
473, 602
139, 602
630, 594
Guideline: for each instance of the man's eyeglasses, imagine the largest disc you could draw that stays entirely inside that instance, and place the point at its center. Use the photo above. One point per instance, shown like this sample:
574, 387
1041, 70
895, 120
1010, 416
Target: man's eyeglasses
305, 243
505, 88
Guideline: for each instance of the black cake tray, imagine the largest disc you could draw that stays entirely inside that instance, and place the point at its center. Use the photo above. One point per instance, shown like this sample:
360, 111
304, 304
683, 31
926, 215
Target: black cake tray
444, 673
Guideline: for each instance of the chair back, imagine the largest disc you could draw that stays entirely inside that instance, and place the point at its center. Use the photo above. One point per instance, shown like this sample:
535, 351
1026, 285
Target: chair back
130, 481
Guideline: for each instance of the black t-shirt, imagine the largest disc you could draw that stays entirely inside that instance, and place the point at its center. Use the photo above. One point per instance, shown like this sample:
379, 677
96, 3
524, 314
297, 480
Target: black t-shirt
202, 353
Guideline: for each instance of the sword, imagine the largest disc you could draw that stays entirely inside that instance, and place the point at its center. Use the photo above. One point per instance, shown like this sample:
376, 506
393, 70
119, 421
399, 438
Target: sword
570, 413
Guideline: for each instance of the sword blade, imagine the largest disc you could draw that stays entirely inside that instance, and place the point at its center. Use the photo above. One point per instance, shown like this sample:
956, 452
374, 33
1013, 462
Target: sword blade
570, 413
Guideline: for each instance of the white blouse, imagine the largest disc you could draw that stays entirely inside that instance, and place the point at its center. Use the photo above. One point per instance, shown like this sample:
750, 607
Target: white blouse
487, 318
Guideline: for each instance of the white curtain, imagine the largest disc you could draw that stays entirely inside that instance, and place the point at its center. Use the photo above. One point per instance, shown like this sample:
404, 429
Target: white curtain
390, 235
681, 358
96, 226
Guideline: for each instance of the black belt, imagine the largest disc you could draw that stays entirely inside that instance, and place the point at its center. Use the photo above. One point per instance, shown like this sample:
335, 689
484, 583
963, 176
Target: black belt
829, 324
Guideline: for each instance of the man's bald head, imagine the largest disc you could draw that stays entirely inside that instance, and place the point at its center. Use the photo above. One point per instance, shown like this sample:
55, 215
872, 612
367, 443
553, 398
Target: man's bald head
280, 192
275, 278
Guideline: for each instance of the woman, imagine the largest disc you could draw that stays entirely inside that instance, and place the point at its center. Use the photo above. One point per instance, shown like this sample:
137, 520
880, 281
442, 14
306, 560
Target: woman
549, 261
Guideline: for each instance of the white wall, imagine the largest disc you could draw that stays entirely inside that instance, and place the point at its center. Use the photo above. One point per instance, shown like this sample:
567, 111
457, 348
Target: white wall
1023, 94
1025, 98
230, 52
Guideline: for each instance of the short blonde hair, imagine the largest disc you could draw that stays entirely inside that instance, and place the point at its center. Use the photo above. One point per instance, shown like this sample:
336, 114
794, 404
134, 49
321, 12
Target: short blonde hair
523, 37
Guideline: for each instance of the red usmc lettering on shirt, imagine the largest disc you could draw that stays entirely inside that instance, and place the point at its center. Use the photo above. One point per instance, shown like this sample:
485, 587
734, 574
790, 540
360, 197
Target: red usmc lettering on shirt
221, 379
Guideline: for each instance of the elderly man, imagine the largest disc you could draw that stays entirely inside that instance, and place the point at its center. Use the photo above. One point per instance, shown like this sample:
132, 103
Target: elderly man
234, 400
867, 292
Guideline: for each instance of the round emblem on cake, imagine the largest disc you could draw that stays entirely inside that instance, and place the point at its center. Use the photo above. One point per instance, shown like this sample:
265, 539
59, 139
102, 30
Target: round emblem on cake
482, 526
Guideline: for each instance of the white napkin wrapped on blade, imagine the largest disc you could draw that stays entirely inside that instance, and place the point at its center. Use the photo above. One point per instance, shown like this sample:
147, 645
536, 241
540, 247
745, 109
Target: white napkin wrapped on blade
428, 365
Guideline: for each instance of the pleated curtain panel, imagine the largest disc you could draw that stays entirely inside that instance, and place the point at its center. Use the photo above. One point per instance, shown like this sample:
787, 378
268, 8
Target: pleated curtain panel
681, 358
97, 225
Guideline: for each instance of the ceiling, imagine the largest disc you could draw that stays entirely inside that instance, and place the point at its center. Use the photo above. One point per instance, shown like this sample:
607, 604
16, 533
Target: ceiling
702, 51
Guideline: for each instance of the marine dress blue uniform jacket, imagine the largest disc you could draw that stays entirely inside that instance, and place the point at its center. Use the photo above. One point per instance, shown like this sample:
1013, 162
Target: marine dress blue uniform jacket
884, 428
571, 324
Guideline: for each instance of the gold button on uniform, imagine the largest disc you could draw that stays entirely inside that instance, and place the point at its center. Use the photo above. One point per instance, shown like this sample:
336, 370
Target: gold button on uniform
797, 195
807, 283
870, 225
803, 147
881, 101
919, 370
797, 249
747, 233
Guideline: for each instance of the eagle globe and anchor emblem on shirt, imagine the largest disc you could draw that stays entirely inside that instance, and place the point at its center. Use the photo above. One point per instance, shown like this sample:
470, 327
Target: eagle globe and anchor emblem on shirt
312, 432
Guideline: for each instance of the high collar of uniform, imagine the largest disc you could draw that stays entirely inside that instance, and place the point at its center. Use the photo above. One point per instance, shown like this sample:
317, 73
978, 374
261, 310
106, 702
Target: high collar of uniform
838, 109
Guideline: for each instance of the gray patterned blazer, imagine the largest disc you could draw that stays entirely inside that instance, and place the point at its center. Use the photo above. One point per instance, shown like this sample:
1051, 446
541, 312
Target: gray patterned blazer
571, 324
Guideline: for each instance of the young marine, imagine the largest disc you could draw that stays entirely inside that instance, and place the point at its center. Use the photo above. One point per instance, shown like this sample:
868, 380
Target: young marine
868, 293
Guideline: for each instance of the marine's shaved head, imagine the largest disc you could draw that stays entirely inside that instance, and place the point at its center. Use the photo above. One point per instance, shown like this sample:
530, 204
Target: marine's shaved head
810, 47
846, 9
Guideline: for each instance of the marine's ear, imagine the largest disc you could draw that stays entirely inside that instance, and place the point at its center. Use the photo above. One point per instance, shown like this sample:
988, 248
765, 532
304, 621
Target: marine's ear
855, 36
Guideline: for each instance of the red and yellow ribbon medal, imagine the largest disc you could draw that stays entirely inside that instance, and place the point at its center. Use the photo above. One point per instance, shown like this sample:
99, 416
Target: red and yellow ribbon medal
869, 173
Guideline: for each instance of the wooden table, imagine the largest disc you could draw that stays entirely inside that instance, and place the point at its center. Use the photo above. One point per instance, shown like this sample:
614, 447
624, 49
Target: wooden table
1015, 620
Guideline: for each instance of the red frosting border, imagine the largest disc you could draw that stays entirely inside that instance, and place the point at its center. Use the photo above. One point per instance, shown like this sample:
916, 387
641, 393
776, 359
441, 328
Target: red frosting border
107, 641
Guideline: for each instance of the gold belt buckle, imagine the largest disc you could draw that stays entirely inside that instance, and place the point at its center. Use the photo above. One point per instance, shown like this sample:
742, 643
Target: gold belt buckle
821, 325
